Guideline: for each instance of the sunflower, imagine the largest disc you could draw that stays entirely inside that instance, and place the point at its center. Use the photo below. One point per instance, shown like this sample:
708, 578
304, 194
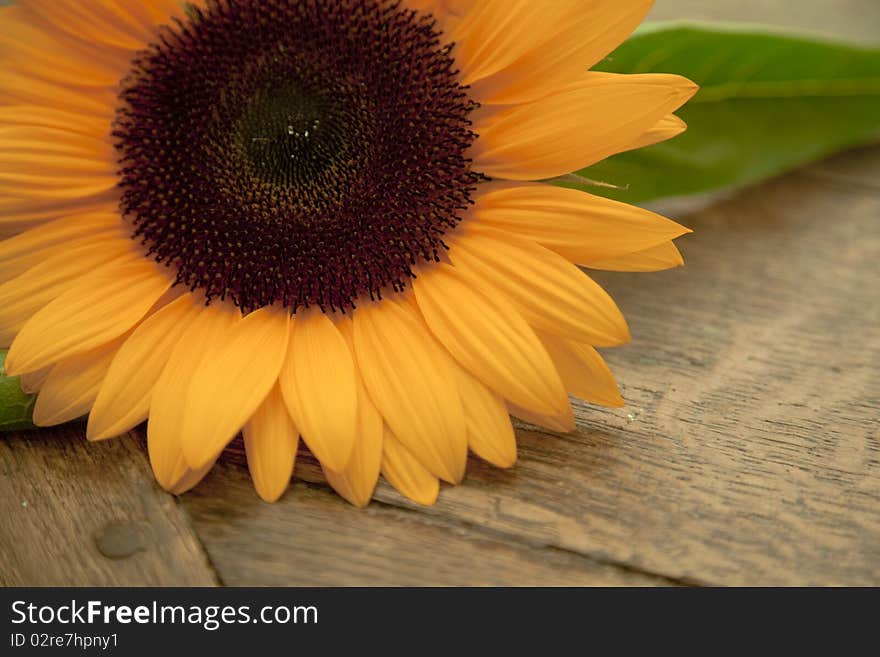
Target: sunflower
326, 219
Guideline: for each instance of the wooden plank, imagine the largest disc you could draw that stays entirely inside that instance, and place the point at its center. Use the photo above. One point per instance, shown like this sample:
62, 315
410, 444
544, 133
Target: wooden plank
80, 514
312, 538
748, 453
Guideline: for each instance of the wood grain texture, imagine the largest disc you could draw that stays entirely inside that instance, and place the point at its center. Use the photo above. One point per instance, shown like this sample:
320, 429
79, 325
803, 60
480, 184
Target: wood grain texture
314, 539
80, 514
748, 452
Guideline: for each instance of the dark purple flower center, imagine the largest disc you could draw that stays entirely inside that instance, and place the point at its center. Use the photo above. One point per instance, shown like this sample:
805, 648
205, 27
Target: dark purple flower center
301, 152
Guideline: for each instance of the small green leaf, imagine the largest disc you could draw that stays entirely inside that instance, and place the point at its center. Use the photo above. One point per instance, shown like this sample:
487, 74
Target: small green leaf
16, 408
768, 102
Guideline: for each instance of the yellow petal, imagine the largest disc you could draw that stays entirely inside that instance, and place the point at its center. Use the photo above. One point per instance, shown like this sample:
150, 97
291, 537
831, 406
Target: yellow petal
490, 434
270, 441
495, 33
28, 249
358, 480
93, 312
575, 127
318, 383
663, 256
167, 405
666, 128
190, 478
406, 473
112, 23
31, 382
33, 51
124, 399
592, 31
406, 375
18, 215
54, 163
551, 293
53, 152
231, 382
21, 89
489, 339
578, 226
583, 371
72, 386
58, 118
24, 295
563, 423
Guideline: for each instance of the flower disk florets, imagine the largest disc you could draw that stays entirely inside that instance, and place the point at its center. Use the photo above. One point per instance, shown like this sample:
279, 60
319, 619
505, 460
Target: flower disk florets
295, 152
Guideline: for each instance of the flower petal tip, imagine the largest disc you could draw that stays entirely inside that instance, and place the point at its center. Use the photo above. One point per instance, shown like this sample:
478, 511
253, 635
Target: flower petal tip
270, 496
425, 498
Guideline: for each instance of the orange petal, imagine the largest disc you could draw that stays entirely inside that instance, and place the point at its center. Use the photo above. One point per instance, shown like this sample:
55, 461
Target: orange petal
358, 480
575, 127
36, 52
489, 339
94, 311
563, 423
189, 479
28, 249
551, 293
72, 386
31, 382
117, 24
24, 295
666, 128
124, 399
231, 382
660, 257
58, 118
583, 371
271, 441
592, 31
578, 226
406, 473
17, 215
490, 434
167, 405
407, 376
19, 88
318, 383
495, 33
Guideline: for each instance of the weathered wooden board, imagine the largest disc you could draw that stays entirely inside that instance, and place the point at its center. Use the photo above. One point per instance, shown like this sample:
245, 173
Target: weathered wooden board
314, 539
81, 514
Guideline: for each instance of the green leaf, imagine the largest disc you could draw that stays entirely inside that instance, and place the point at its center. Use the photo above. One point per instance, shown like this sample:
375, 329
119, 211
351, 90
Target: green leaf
16, 408
769, 101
